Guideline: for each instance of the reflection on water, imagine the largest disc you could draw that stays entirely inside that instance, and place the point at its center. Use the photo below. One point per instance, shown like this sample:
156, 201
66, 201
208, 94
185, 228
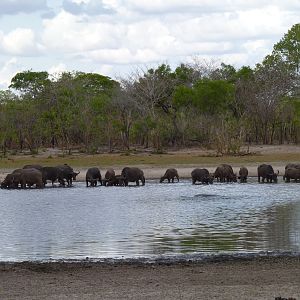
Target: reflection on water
157, 219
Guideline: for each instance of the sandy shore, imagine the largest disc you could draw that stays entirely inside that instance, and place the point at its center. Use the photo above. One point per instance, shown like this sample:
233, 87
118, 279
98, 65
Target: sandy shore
184, 171
260, 278
155, 172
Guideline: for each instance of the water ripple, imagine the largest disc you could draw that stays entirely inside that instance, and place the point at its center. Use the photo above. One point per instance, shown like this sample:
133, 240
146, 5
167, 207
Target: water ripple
150, 221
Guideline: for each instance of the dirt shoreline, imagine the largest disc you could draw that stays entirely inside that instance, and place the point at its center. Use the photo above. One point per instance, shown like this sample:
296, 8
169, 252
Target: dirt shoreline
154, 166
155, 172
255, 278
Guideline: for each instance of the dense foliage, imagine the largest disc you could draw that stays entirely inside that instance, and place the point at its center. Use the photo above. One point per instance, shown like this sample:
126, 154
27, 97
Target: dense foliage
196, 104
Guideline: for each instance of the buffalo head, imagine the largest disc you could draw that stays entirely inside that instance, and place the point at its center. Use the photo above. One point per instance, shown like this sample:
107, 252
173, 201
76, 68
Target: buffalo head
74, 174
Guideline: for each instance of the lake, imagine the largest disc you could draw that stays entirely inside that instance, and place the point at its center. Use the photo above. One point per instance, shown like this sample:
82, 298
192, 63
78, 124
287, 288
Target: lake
148, 221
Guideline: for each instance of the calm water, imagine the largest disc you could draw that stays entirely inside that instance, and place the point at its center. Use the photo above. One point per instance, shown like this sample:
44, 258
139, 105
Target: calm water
149, 221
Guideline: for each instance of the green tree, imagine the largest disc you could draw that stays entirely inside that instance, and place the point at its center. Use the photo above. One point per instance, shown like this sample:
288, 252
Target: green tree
224, 72
289, 47
213, 96
152, 91
8, 105
29, 82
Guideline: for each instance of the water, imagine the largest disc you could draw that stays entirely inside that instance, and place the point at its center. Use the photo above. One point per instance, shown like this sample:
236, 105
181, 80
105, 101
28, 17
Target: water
150, 221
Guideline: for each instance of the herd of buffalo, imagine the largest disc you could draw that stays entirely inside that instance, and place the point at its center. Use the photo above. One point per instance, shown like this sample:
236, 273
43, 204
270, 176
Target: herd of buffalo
38, 176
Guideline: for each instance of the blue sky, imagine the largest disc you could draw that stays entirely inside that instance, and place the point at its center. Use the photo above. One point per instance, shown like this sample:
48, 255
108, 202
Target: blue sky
113, 37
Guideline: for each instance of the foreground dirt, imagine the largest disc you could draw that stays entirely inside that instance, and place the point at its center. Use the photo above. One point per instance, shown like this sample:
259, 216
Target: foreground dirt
253, 279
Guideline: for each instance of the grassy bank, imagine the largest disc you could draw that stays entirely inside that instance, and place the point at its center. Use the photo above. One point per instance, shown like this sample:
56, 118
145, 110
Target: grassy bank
105, 160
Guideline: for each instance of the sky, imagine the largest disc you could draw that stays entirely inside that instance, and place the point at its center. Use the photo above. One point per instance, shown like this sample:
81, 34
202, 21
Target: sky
114, 37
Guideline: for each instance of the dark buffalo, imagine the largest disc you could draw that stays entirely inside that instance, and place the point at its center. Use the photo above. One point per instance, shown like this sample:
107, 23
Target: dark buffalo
24, 177
38, 167
202, 175
133, 175
16, 180
9, 182
68, 173
32, 177
109, 175
92, 176
291, 173
243, 174
224, 173
117, 180
53, 174
170, 174
291, 166
266, 172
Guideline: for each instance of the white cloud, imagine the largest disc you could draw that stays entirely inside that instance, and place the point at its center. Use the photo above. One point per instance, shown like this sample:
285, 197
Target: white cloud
230, 26
89, 7
106, 69
256, 45
24, 6
80, 1
7, 71
122, 56
57, 69
79, 34
193, 6
112, 40
20, 41
113, 35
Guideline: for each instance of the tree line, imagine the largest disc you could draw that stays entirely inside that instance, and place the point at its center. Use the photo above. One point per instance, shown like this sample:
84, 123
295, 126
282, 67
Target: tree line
198, 103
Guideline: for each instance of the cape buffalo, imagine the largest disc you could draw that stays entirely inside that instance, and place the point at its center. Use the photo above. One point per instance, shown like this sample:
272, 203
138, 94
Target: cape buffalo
289, 166
92, 176
243, 174
24, 177
133, 175
170, 174
202, 175
266, 172
109, 175
9, 182
116, 180
38, 167
68, 173
52, 174
291, 173
224, 173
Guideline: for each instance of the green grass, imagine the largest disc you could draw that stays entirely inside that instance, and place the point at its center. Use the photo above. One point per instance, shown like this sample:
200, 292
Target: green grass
105, 160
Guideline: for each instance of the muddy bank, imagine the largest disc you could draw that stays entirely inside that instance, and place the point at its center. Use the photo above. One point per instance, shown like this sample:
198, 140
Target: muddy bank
255, 278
